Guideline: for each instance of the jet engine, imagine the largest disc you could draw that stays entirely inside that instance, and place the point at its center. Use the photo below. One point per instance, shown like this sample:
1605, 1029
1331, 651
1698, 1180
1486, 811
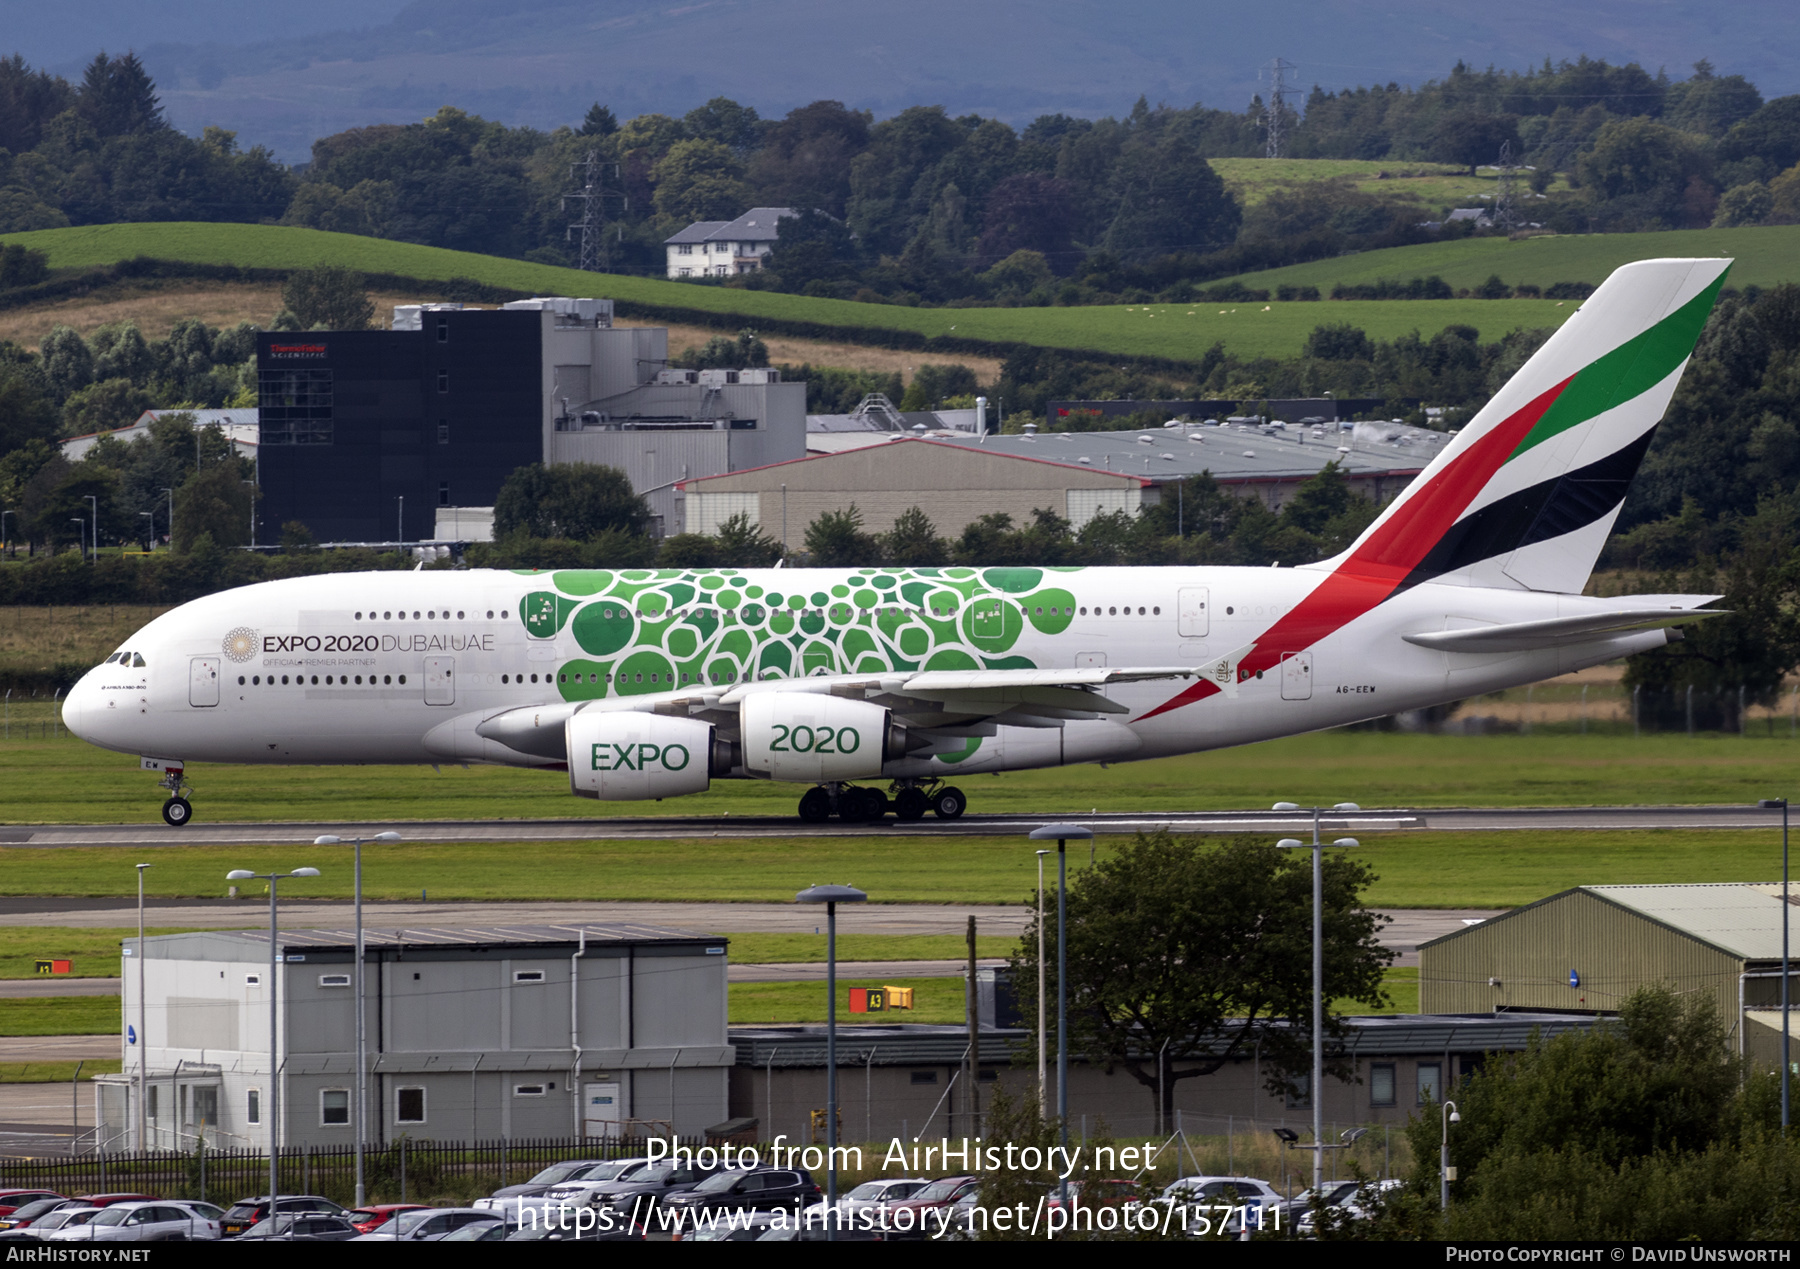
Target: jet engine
621, 755
810, 736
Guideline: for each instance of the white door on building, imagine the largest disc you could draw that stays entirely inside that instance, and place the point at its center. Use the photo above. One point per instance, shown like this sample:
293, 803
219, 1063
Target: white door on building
1191, 605
203, 681
602, 1110
440, 680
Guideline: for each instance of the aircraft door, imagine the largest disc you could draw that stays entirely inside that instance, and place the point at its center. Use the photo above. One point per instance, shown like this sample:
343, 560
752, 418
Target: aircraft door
440, 680
1090, 660
203, 682
602, 1110
1193, 620
1296, 676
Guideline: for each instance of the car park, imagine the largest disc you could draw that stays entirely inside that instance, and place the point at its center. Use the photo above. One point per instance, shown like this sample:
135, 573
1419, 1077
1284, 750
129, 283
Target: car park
107, 1200
744, 1227
372, 1217
906, 1218
605, 1230
29, 1213
746, 1190
157, 1222
579, 1190
637, 1195
555, 1174
247, 1212
302, 1227
426, 1224
1225, 1203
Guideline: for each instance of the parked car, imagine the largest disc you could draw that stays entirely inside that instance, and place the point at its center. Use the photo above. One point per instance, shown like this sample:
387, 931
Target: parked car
579, 1191
637, 1195
905, 1218
555, 1174
560, 1232
158, 1222
65, 1215
494, 1231
248, 1211
304, 1227
1235, 1202
747, 1190
747, 1228
425, 1225
12, 1200
107, 1200
1334, 1192
27, 1213
1351, 1204
879, 1194
371, 1218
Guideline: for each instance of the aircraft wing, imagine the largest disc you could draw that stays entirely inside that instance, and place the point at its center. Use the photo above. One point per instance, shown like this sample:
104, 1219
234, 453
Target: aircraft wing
936, 703
1556, 632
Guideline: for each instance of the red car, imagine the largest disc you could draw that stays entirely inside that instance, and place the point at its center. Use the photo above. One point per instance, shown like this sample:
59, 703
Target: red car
107, 1200
371, 1218
12, 1200
905, 1218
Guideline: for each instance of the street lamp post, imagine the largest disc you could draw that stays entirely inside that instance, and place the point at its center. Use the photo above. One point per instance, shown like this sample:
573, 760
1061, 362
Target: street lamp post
1063, 834
1769, 804
273, 1109
1450, 1115
1043, 1056
830, 896
1318, 974
362, 1053
143, 1039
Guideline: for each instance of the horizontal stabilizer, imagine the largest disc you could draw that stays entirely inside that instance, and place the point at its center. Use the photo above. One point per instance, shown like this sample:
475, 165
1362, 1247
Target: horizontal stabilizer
1558, 632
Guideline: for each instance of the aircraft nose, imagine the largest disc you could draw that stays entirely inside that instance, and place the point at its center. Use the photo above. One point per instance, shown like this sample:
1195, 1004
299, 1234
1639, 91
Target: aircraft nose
86, 714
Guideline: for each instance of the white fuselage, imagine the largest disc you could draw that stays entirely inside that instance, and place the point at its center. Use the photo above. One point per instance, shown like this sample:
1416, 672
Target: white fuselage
400, 667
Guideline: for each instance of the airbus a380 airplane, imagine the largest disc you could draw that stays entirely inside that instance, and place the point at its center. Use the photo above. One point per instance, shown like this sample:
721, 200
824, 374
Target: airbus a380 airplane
650, 684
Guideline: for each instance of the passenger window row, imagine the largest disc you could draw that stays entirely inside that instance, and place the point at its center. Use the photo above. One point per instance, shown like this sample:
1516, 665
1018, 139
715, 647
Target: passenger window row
430, 614
300, 680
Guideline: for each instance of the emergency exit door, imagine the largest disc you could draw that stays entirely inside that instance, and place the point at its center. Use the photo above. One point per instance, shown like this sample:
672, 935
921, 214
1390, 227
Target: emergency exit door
440, 680
1296, 676
1192, 620
203, 681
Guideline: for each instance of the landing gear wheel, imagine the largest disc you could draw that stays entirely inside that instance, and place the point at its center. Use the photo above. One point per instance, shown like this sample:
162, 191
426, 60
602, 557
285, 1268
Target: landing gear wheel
815, 806
875, 805
177, 812
911, 804
949, 802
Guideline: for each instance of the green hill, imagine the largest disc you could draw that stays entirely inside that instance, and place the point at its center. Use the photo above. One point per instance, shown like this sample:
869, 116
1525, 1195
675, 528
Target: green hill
1765, 256
1178, 332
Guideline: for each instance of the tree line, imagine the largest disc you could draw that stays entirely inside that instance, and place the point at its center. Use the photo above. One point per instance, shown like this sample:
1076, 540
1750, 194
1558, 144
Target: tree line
924, 207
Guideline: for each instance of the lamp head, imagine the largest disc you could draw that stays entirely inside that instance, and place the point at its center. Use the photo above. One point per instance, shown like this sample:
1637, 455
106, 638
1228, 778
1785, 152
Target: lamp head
1062, 832
1346, 806
1285, 806
385, 837
1286, 1135
304, 872
236, 874
327, 840
1346, 841
1289, 843
831, 894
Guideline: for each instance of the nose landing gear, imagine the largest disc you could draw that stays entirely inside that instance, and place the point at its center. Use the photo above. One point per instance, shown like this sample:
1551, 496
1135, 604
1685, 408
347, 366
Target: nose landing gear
177, 810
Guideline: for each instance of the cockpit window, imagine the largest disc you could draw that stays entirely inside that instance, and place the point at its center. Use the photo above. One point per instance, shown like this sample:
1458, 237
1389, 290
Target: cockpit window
137, 661
114, 657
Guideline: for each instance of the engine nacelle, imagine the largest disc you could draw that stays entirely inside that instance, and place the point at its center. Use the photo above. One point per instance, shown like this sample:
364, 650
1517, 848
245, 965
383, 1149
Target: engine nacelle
625, 756
810, 736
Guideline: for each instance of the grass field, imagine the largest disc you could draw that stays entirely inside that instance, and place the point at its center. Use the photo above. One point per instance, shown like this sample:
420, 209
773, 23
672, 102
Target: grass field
1765, 256
60, 1015
759, 948
1414, 870
94, 952
1433, 186
66, 781
56, 1072
37, 640
1182, 332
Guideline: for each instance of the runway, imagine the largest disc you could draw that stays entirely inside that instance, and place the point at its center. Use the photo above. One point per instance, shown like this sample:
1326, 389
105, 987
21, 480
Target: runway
641, 828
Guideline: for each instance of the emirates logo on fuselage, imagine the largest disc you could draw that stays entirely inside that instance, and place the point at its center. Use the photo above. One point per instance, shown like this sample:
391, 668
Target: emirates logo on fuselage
241, 644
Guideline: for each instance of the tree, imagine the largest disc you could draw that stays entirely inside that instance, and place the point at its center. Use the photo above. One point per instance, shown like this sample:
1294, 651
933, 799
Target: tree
103, 406
1170, 200
913, 542
1030, 212
328, 298
1771, 135
1339, 341
599, 121
836, 540
738, 128
67, 360
118, 98
700, 180
805, 158
577, 501
742, 544
1191, 954
722, 352
1643, 168
214, 505
1472, 138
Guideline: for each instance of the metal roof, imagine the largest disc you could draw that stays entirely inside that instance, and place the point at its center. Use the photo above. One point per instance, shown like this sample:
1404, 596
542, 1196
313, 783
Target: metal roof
915, 1044
756, 225
1229, 451
1739, 918
457, 936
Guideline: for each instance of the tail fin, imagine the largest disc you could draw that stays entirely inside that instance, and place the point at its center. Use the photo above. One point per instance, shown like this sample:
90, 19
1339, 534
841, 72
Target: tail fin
1526, 494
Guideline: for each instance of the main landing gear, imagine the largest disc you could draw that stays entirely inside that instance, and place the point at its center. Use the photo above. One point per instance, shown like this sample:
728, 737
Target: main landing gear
177, 811
858, 805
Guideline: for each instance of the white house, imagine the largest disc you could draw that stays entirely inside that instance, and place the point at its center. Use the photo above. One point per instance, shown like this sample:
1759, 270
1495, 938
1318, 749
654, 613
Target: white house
720, 248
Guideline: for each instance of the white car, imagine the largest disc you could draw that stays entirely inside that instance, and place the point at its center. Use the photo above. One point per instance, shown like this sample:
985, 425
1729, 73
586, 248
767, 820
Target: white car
1352, 1203
579, 1191
506, 1201
69, 1216
427, 1224
1225, 1203
160, 1222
